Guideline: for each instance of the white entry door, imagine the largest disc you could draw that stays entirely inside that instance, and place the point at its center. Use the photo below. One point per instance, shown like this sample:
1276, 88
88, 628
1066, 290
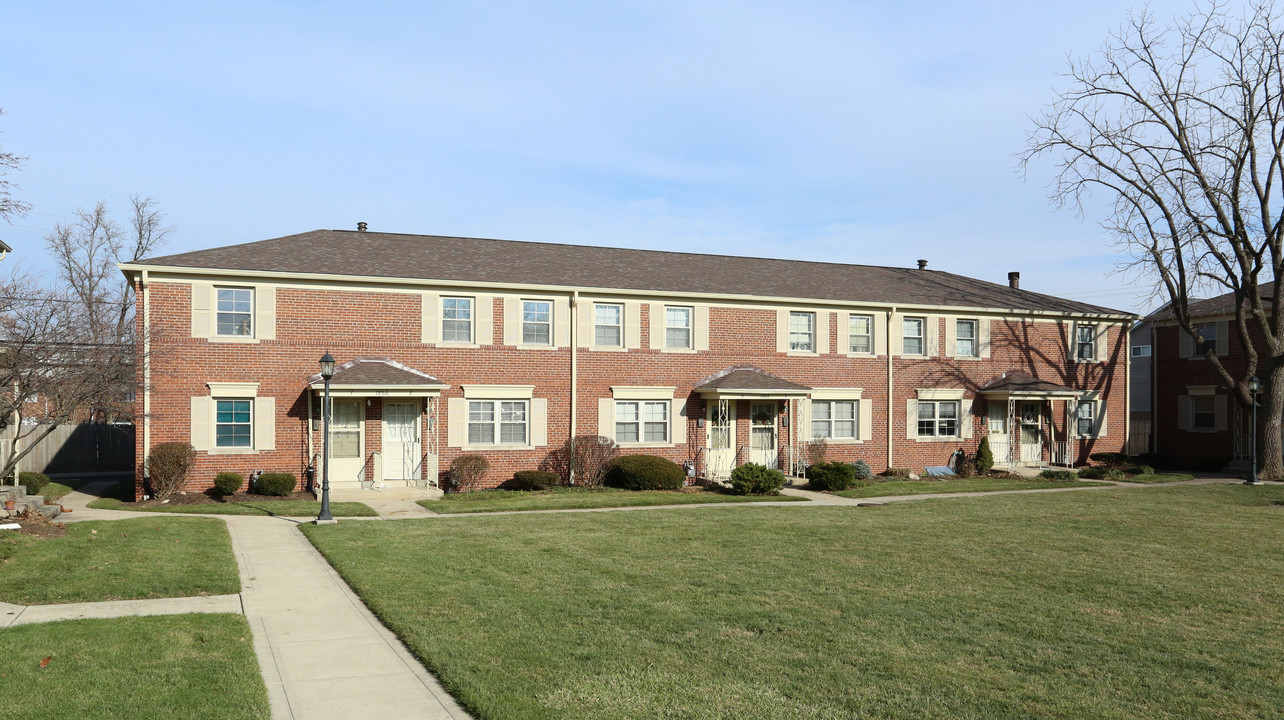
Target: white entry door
762, 434
401, 441
347, 421
720, 452
1031, 435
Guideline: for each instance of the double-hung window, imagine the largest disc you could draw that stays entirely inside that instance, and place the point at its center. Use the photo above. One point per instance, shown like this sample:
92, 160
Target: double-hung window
938, 418
457, 320
802, 331
1203, 412
236, 312
642, 421
860, 333
233, 423
677, 327
1207, 331
608, 325
965, 338
834, 419
1085, 342
912, 336
537, 322
1086, 418
498, 422
1141, 351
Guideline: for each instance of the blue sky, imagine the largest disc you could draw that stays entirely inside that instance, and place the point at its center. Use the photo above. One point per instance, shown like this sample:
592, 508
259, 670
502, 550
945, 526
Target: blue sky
861, 132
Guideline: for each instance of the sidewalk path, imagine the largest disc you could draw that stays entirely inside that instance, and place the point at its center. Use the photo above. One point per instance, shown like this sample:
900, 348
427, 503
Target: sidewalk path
11, 615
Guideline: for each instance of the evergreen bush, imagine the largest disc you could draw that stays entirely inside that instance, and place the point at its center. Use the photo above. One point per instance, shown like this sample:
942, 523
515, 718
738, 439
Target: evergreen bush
831, 476
755, 479
278, 484
984, 455
33, 481
645, 472
534, 480
227, 483
1060, 475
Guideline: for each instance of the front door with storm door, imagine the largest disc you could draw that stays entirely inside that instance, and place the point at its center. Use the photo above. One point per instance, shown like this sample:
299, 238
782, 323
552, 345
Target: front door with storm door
1031, 435
720, 441
762, 434
402, 461
347, 418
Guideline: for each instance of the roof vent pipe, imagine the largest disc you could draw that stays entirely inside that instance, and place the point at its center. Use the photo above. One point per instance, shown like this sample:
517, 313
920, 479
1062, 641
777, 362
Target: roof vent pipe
922, 264
1014, 280
361, 227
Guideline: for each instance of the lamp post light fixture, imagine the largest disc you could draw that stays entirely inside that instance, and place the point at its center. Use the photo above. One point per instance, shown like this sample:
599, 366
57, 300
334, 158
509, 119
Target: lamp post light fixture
327, 372
1254, 387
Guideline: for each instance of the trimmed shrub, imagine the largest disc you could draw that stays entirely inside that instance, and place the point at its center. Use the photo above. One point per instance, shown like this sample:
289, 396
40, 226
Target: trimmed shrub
1141, 470
645, 472
168, 466
227, 483
1092, 473
1157, 460
467, 471
755, 479
1110, 458
278, 484
896, 472
534, 480
33, 481
1212, 463
861, 473
1114, 474
1060, 475
984, 455
965, 466
831, 476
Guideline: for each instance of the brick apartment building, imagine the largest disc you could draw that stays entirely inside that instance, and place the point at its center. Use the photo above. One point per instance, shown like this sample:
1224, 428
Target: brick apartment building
449, 346
1195, 419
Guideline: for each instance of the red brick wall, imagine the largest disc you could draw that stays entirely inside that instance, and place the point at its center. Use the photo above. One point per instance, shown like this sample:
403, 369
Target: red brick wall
349, 324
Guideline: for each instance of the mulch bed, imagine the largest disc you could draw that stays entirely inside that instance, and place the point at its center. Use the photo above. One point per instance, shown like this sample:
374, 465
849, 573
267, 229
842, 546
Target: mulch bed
37, 525
200, 498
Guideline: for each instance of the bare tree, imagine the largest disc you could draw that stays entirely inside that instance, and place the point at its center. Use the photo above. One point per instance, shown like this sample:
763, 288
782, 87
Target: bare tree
1181, 127
10, 207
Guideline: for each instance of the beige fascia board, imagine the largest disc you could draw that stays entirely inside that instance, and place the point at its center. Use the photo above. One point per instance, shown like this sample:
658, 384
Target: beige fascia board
381, 390
741, 394
416, 284
1030, 394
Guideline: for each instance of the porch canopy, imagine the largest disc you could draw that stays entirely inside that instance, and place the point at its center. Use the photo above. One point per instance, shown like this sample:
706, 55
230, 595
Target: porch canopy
1020, 385
1019, 406
378, 376
745, 382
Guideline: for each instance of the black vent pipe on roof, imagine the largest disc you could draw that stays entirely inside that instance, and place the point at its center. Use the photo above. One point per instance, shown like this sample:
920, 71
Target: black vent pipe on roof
922, 264
361, 227
1014, 280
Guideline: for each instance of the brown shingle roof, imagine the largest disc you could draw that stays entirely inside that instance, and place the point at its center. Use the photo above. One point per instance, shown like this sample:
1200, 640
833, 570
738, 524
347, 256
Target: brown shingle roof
376, 371
747, 377
1017, 381
433, 257
1220, 305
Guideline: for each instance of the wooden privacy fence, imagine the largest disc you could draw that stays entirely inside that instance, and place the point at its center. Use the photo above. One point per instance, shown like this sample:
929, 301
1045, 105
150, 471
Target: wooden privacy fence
1138, 437
85, 448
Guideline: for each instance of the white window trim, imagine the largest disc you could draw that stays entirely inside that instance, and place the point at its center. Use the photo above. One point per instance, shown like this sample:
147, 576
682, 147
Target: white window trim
593, 326
976, 338
1078, 418
1096, 339
691, 329
215, 448
873, 346
1136, 348
922, 337
497, 423
958, 421
233, 390
642, 422
856, 419
498, 392
815, 333
641, 394
472, 321
254, 325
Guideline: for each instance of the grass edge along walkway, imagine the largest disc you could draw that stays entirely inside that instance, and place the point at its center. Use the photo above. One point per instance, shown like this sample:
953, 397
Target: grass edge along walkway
961, 485
563, 498
980, 607
266, 508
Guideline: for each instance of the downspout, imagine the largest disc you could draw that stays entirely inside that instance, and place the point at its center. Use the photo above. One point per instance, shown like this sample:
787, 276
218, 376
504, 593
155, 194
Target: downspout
1154, 392
147, 367
1127, 333
575, 323
888, 342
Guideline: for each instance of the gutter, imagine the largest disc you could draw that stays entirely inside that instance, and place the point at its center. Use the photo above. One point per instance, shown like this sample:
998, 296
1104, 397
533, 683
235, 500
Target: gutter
887, 342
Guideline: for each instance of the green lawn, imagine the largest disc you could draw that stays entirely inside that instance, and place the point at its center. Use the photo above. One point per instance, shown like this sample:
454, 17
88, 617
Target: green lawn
1155, 478
1111, 604
173, 667
119, 560
55, 490
930, 487
580, 498
282, 508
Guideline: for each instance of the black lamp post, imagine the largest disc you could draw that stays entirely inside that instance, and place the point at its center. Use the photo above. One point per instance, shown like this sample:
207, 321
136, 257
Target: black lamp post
1254, 387
327, 372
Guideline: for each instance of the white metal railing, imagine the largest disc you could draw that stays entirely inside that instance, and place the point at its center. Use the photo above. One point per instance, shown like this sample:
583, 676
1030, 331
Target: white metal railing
1031, 452
1001, 449
1061, 453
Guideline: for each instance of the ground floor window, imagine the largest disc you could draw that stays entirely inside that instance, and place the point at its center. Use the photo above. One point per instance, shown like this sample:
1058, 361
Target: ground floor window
834, 419
497, 422
1203, 412
938, 418
642, 421
233, 428
1086, 417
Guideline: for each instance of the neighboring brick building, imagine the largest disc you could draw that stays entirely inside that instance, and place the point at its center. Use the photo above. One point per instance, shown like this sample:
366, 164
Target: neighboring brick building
450, 346
1195, 419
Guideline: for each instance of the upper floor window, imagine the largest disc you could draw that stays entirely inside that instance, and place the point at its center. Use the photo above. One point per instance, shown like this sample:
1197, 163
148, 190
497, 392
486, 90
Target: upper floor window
1085, 342
642, 421
802, 331
912, 335
1207, 331
537, 322
457, 320
608, 325
833, 419
497, 422
677, 327
1086, 417
1141, 351
233, 426
860, 333
236, 312
965, 338
938, 418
